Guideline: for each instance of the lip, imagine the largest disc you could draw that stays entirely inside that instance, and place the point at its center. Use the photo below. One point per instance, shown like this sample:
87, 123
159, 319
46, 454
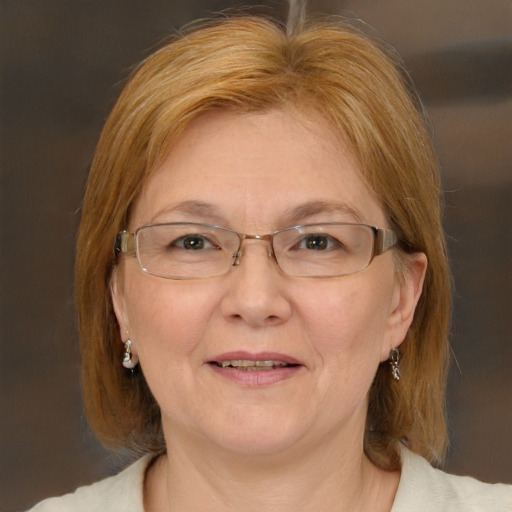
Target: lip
259, 356
254, 379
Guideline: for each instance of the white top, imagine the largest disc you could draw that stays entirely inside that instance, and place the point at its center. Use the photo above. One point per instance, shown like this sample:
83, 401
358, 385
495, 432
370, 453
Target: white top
422, 489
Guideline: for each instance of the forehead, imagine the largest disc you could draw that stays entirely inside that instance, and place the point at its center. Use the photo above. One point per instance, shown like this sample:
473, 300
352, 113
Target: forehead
254, 169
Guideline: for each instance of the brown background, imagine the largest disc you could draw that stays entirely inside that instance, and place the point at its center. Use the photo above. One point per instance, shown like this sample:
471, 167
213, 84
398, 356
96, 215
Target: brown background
63, 63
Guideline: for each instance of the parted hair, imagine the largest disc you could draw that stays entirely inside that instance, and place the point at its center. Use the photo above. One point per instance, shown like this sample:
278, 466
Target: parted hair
251, 64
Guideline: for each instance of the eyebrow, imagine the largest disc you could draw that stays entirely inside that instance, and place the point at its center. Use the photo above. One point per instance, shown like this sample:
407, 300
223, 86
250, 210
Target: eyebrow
291, 216
193, 208
301, 212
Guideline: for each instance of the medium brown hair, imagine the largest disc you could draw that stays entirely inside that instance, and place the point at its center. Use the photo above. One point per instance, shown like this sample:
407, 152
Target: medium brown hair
250, 64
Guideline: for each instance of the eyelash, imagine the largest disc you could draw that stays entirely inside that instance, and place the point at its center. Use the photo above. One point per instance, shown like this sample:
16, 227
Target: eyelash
179, 242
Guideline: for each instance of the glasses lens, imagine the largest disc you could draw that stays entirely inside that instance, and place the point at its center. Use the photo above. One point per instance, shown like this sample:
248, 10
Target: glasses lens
186, 250
324, 249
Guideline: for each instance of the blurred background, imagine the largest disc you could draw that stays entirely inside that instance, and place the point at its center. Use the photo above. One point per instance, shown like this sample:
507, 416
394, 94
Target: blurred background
62, 65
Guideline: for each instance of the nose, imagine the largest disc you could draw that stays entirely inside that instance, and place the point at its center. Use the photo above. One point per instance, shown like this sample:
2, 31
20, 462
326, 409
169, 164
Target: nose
256, 291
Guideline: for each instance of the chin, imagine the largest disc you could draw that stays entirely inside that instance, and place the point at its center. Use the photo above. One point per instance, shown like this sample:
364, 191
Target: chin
254, 433
262, 445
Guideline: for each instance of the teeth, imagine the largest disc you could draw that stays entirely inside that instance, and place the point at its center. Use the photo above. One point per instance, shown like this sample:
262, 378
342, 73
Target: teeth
245, 364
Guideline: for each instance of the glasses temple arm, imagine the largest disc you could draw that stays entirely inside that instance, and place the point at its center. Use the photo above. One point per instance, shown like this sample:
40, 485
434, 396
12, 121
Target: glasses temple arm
125, 243
386, 238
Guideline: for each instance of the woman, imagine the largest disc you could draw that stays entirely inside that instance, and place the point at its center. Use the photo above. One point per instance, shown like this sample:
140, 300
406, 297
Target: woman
262, 282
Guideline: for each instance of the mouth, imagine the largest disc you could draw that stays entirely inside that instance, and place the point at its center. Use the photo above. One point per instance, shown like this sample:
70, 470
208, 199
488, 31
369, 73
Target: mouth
255, 370
248, 365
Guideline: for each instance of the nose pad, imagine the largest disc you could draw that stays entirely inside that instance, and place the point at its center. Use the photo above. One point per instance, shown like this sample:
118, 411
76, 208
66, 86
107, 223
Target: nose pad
237, 257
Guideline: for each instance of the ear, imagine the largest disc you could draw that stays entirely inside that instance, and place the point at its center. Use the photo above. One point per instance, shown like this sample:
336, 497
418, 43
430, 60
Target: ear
406, 296
117, 295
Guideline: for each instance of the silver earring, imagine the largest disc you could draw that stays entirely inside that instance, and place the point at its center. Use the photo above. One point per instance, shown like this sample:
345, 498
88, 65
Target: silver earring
394, 358
130, 361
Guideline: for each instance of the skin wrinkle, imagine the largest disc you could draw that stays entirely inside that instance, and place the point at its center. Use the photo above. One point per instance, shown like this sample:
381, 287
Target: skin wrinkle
205, 213
339, 327
330, 145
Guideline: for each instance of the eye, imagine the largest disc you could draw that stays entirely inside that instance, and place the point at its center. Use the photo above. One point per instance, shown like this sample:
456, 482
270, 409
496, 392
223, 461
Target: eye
193, 243
318, 242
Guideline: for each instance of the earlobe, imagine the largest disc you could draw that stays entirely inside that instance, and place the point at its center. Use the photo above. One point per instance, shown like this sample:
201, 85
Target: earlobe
130, 358
409, 289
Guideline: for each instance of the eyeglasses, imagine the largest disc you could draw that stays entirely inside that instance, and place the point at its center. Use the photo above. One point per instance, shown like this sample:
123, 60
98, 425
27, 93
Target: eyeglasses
185, 250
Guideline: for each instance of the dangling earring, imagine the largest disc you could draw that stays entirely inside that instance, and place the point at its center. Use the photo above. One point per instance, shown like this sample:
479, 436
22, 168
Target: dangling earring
394, 358
130, 361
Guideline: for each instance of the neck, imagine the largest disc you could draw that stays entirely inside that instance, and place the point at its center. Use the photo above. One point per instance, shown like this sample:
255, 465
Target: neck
327, 478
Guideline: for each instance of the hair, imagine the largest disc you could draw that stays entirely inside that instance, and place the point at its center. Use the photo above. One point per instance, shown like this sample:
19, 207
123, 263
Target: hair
250, 64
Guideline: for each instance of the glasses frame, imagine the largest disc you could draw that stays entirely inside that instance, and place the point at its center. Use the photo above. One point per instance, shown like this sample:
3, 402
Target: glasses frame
127, 243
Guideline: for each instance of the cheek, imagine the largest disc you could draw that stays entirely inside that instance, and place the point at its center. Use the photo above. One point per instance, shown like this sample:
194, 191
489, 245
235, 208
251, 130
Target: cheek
347, 319
167, 317
346, 330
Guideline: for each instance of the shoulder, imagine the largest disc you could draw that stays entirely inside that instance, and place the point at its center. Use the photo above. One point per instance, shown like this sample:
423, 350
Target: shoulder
122, 492
423, 488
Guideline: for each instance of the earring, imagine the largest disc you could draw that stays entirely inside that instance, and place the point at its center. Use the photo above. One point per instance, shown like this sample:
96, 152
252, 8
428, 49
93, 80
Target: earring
130, 361
394, 358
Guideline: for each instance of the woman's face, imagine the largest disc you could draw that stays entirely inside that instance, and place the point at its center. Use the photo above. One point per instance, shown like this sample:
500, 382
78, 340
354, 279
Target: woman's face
258, 173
